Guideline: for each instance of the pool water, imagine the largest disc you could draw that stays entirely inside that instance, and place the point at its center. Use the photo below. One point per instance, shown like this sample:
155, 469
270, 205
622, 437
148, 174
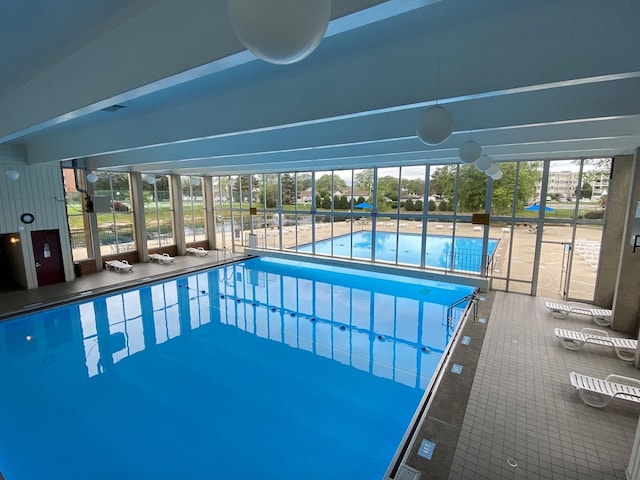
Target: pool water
265, 369
441, 252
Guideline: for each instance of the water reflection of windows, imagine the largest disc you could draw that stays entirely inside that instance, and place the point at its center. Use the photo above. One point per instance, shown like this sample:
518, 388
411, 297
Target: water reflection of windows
111, 330
125, 319
334, 321
198, 287
166, 316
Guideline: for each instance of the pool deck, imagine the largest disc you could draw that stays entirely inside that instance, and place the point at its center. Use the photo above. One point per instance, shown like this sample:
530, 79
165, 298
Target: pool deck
512, 403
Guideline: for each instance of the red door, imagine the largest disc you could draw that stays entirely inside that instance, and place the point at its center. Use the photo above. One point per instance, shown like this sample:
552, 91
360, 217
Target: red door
47, 256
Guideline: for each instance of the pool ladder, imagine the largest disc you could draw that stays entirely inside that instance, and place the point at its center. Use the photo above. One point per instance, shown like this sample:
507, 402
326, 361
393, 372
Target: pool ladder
227, 256
473, 298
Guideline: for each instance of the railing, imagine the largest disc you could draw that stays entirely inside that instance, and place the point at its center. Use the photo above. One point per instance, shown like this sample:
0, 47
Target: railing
473, 298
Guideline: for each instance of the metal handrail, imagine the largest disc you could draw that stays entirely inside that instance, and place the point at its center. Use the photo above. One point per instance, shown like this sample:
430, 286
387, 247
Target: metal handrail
473, 298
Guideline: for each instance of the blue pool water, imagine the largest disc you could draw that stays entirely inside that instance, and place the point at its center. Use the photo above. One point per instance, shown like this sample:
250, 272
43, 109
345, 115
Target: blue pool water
466, 256
265, 369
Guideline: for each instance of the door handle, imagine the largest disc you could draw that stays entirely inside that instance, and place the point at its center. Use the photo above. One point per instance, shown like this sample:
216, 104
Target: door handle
37, 264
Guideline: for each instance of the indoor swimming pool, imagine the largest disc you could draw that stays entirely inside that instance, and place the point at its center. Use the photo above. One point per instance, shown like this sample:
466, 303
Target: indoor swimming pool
267, 368
440, 250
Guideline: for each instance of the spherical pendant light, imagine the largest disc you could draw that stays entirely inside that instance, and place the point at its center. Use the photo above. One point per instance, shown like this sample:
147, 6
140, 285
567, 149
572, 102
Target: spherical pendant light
280, 31
150, 178
497, 175
492, 170
484, 163
470, 151
13, 175
92, 177
435, 125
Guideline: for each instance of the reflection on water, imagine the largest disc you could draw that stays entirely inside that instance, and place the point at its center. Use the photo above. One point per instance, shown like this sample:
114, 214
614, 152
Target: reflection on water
177, 373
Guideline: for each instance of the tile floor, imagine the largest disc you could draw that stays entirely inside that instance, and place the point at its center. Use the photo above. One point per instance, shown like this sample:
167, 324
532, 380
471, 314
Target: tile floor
522, 408
21, 301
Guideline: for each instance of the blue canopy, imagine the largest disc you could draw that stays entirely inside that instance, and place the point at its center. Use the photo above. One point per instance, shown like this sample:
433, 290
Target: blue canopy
363, 205
536, 208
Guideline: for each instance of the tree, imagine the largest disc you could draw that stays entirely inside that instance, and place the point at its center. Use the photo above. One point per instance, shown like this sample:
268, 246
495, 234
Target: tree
323, 184
303, 182
287, 185
472, 189
364, 179
443, 181
408, 205
432, 206
528, 176
586, 191
387, 187
270, 188
326, 202
418, 206
414, 186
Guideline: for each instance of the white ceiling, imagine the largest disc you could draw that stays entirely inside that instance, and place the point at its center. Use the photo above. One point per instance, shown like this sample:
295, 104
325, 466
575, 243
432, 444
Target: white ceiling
532, 80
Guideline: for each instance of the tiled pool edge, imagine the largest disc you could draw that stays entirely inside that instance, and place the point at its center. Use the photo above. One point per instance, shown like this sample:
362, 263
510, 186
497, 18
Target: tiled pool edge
442, 424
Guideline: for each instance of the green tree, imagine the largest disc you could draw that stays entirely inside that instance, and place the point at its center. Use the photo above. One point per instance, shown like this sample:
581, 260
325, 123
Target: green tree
432, 206
528, 176
287, 184
472, 189
270, 188
303, 182
364, 179
323, 184
414, 186
586, 191
387, 187
408, 205
326, 202
443, 181
418, 206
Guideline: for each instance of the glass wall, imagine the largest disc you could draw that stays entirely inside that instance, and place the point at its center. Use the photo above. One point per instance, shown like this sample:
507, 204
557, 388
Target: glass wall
193, 209
115, 229
158, 211
422, 216
79, 231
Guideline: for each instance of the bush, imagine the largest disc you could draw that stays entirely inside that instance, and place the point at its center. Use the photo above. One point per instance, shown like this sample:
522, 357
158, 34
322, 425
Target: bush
417, 207
432, 206
595, 215
408, 205
444, 206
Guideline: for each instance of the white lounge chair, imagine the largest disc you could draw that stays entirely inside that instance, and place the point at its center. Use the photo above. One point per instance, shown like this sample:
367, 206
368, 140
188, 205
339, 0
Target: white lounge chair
625, 348
161, 258
598, 393
198, 252
118, 266
600, 316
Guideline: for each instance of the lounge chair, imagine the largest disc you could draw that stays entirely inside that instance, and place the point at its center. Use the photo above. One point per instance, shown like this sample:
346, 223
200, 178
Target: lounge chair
625, 348
118, 266
198, 252
598, 393
600, 316
161, 258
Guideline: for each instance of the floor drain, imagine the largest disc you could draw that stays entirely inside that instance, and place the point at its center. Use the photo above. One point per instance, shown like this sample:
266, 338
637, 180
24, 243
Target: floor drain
512, 462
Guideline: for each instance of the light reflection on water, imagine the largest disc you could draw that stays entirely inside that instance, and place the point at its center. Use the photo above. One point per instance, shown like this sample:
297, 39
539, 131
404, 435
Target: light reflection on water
262, 369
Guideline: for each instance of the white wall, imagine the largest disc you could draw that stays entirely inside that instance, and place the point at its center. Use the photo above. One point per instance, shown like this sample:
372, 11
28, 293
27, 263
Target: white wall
38, 191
